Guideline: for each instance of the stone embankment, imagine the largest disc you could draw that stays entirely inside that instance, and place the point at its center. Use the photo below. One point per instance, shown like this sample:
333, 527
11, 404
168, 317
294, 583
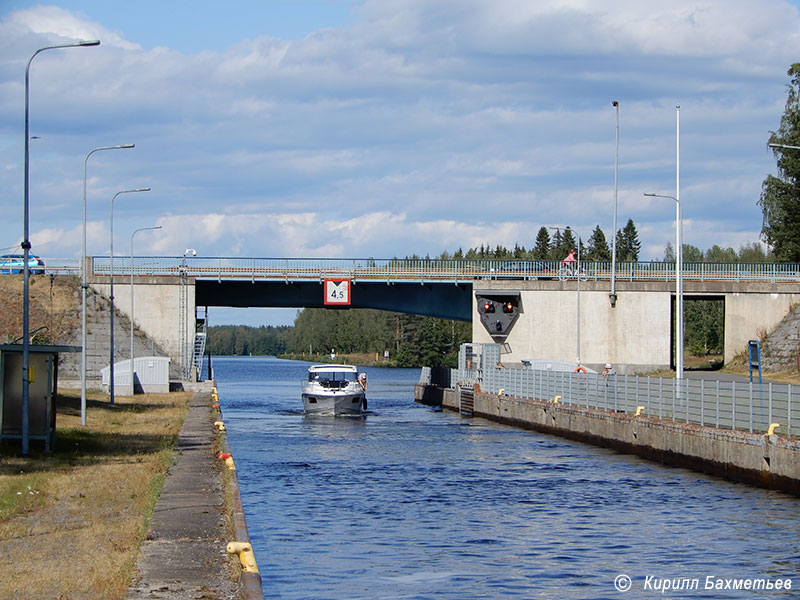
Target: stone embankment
781, 350
765, 460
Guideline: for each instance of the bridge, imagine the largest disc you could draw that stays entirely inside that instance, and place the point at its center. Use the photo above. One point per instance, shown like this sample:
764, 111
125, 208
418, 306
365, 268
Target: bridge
636, 334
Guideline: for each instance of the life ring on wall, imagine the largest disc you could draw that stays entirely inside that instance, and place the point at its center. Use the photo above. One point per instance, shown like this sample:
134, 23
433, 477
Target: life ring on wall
580, 369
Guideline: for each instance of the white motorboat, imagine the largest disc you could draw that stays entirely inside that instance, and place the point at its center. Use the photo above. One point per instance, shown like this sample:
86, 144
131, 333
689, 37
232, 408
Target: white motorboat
334, 390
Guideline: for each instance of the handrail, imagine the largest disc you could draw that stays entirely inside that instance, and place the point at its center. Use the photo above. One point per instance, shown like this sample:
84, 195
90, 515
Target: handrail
433, 270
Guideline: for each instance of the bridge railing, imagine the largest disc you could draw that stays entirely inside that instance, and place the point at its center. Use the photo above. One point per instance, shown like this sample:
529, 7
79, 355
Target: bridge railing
434, 270
738, 405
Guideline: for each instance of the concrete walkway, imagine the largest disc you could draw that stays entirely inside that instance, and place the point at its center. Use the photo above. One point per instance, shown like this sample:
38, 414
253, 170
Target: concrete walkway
185, 556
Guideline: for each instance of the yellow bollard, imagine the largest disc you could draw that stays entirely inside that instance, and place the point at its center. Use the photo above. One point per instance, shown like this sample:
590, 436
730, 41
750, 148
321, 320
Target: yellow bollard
556, 399
229, 463
639, 410
772, 428
246, 556
219, 425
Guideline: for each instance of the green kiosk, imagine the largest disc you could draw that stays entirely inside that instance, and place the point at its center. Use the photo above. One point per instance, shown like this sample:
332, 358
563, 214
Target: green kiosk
42, 387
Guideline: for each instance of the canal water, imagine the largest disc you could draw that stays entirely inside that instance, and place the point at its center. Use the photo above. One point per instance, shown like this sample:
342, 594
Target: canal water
409, 502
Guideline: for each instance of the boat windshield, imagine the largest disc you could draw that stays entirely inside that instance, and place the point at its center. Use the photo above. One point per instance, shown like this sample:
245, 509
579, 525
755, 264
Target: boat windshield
332, 379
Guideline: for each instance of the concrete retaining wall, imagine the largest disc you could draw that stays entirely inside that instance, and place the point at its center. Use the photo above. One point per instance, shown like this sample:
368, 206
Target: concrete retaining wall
157, 304
766, 461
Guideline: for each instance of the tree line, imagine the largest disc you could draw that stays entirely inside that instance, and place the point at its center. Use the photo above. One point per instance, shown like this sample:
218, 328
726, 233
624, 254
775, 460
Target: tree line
241, 340
407, 340
558, 245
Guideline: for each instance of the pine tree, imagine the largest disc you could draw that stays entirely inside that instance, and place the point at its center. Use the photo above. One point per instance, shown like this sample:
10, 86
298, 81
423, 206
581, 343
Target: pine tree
567, 243
597, 247
557, 247
541, 251
628, 244
669, 252
780, 196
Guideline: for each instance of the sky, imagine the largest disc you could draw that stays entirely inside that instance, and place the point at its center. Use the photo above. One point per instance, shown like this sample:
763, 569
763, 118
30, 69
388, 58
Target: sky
358, 128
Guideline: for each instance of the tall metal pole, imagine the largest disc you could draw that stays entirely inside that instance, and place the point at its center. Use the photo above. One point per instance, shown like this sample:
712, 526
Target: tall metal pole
613, 295
84, 285
679, 242
111, 292
26, 248
133, 370
579, 300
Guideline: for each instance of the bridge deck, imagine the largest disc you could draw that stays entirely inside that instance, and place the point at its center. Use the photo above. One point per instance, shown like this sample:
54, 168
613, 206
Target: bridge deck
434, 270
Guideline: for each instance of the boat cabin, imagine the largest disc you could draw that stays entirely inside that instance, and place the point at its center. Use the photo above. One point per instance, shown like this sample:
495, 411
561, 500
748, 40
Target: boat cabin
332, 376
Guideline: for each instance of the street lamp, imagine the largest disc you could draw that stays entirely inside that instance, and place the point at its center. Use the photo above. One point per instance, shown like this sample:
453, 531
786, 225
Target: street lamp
133, 371
679, 249
784, 146
84, 285
26, 244
111, 292
678, 285
613, 295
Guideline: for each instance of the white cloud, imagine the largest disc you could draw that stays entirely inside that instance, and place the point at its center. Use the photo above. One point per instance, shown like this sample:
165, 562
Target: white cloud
422, 127
52, 21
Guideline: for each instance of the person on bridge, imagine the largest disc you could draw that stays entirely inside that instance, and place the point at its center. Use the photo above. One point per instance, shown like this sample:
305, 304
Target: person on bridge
569, 259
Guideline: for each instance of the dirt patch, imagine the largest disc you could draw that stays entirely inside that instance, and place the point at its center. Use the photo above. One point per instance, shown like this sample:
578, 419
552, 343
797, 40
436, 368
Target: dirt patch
54, 307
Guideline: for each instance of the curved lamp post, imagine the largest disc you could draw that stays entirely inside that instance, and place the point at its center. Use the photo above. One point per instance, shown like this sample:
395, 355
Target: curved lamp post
111, 292
678, 286
678, 249
26, 245
133, 371
84, 286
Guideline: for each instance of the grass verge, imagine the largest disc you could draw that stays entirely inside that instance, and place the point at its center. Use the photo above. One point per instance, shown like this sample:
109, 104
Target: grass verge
72, 521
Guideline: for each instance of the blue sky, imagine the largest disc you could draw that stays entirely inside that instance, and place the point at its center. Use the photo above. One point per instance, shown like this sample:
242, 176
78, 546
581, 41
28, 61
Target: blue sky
389, 127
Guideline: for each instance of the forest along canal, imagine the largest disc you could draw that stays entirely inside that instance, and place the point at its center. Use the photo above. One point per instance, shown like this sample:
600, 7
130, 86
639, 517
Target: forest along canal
408, 502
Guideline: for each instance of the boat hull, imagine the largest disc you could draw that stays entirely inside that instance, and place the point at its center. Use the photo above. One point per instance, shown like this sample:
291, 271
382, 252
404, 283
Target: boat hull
326, 403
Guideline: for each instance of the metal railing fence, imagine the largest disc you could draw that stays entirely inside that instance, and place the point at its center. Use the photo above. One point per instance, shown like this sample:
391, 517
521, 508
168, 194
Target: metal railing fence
405, 269
736, 405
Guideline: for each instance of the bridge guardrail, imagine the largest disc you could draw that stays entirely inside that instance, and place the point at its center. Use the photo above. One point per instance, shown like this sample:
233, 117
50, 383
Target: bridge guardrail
433, 270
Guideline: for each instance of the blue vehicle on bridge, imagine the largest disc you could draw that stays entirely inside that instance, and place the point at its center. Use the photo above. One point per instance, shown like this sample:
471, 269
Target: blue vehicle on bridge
15, 263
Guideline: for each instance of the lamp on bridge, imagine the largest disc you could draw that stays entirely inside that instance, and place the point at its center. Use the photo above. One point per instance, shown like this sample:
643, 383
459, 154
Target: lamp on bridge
111, 293
133, 370
26, 244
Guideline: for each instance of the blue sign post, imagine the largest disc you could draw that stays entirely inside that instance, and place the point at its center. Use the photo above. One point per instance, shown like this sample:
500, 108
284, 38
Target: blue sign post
754, 354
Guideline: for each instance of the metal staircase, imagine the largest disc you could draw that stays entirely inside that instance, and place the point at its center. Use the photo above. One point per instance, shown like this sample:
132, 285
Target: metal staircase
199, 344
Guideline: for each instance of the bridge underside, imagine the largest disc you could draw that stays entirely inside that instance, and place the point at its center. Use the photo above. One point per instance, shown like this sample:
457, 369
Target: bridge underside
446, 301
